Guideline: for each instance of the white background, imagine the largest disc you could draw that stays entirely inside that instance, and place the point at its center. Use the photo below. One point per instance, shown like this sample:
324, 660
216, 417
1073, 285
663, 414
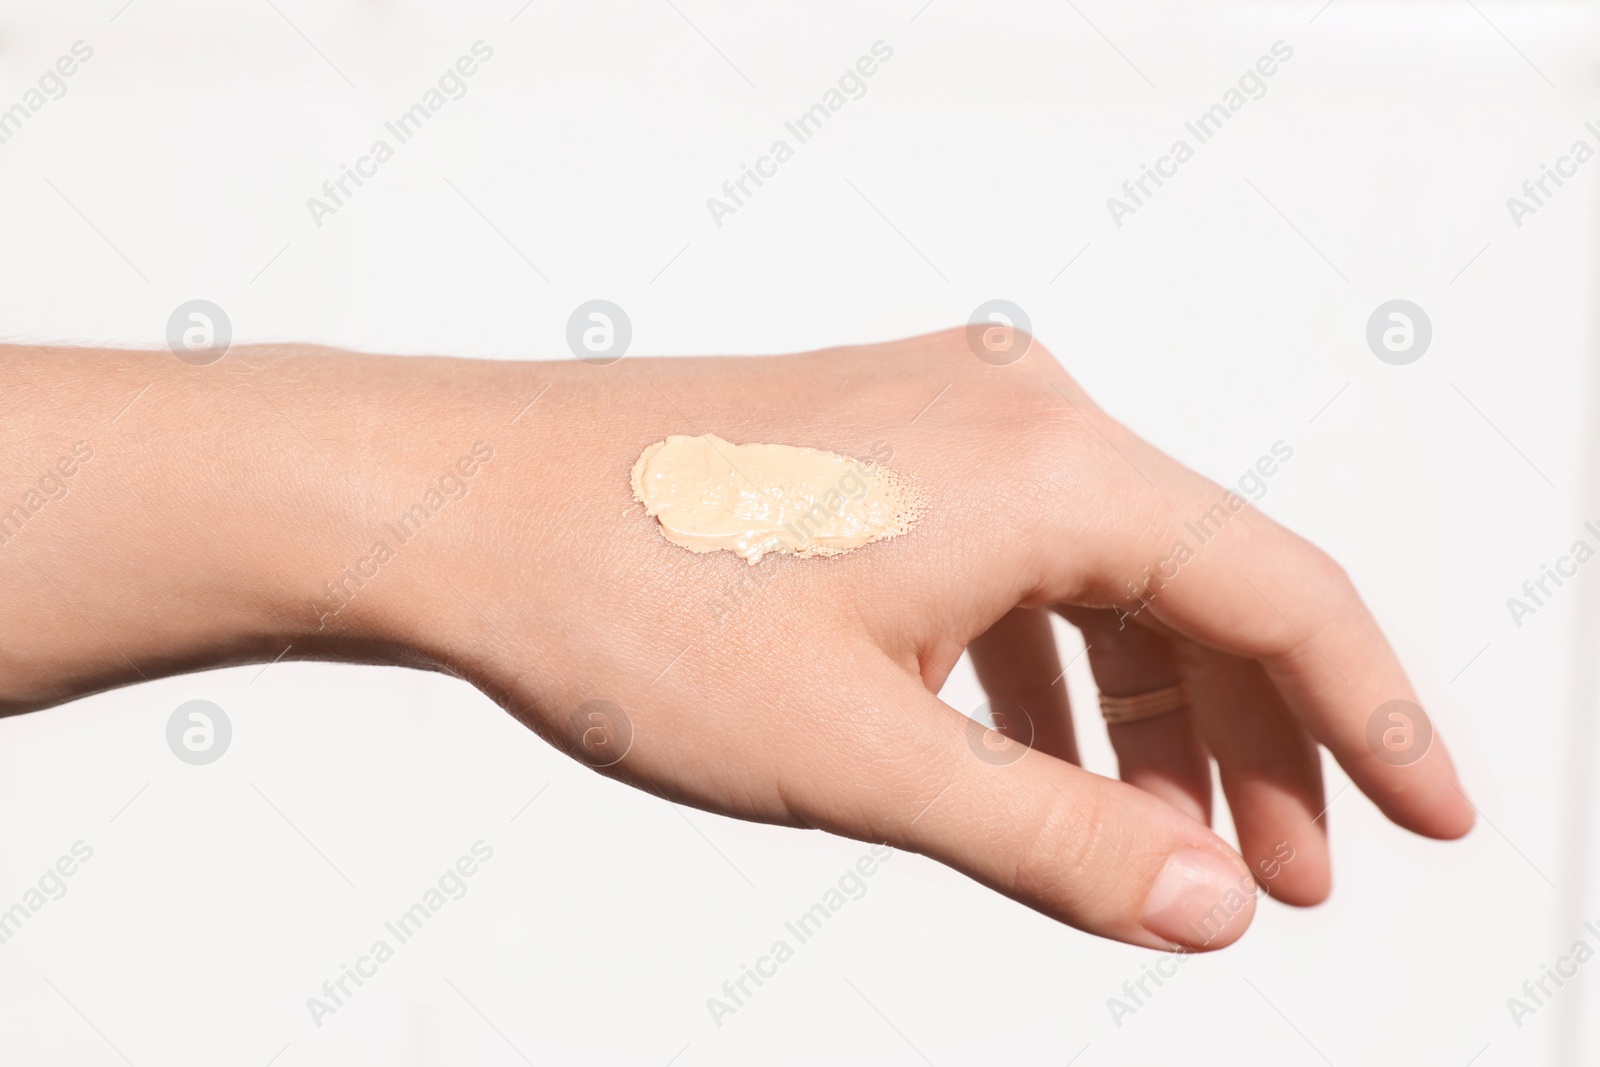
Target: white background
1226, 315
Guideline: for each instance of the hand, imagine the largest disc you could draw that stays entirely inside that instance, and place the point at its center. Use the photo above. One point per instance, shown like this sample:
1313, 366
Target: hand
477, 517
802, 692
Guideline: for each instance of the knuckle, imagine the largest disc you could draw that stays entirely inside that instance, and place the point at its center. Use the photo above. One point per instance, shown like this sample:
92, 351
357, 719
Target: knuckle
1326, 574
1067, 847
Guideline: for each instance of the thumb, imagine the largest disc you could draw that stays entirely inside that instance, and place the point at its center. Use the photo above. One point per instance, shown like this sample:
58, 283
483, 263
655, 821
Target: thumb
1097, 854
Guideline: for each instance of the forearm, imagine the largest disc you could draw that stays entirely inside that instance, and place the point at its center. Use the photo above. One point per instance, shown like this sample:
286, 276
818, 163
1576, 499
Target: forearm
157, 517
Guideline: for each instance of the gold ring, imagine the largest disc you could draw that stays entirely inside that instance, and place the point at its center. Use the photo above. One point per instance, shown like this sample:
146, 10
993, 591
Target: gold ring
1120, 710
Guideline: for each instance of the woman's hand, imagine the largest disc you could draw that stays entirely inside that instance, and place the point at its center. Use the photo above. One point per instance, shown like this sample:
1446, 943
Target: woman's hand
802, 691
797, 691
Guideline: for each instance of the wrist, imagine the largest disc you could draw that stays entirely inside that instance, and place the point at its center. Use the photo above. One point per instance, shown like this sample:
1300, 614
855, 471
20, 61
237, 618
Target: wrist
415, 495
228, 514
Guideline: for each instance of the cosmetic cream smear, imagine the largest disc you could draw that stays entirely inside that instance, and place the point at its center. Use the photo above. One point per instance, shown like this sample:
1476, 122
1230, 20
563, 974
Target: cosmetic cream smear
756, 499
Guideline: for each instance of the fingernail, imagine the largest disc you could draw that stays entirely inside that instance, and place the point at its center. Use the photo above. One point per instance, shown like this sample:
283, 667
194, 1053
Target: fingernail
1199, 900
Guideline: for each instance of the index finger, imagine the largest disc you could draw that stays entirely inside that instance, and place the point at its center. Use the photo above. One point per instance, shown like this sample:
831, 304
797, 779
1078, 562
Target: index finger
1255, 589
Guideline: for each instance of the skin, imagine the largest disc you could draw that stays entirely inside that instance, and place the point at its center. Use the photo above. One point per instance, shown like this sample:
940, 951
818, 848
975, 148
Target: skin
219, 500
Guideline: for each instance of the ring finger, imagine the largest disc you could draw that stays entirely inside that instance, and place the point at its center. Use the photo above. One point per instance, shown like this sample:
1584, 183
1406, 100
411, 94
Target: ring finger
1161, 754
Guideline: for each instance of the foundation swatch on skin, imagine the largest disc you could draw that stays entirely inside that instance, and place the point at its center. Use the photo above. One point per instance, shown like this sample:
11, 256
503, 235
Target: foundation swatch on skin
755, 499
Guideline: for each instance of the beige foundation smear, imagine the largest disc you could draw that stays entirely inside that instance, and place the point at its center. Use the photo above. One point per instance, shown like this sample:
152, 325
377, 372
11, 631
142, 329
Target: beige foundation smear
755, 499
